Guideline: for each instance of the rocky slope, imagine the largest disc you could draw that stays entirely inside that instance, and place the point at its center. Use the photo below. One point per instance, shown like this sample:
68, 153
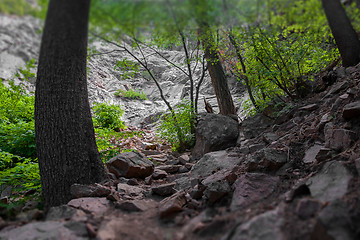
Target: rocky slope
295, 175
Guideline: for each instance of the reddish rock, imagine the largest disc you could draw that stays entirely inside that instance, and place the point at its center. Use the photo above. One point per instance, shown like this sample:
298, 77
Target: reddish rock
96, 206
339, 139
130, 165
159, 174
164, 189
172, 204
136, 205
216, 190
169, 168
96, 190
309, 107
311, 153
351, 110
252, 187
267, 159
127, 189
184, 159
323, 154
307, 208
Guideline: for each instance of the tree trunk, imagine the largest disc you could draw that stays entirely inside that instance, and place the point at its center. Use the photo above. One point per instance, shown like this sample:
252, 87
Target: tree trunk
65, 139
217, 74
345, 36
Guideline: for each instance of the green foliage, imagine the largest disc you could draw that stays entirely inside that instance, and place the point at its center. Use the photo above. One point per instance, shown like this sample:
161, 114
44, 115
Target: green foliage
131, 94
22, 175
23, 7
109, 141
127, 67
26, 73
178, 125
108, 116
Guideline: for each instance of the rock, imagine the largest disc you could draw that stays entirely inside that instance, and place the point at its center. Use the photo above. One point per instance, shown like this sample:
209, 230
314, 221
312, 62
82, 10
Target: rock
96, 206
256, 147
311, 153
254, 126
213, 162
184, 159
323, 154
184, 183
47, 230
266, 226
339, 139
351, 110
129, 190
309, 107
225, 174
270, 137
164, 189
330, 183
267, 159
169, 168
307, 208
159, 174
96, 190
214, 132
130, 165
183, 169
252, 187
64, 212
136, 205
334, 222
299, 190
216, 190
357, 165
172, 204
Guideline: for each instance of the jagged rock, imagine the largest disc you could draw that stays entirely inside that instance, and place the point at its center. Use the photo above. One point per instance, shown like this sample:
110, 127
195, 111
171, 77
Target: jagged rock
270, 137
252, 187
184, 183
256, 147
311, 153
96, 190
183, 169
225, 174
159, 174
129, 190
136, 205
307, 208
164, 189
299, 190
267, 159
351, 110
266, 226
334, 222
169, 168
96, 206
47, 230
172, 204
357, 165
216, 190
64, 212
330, 183
213, 162
214, 132
323, 154
254, 126
339, 139
184, 159
309, 107
130, 165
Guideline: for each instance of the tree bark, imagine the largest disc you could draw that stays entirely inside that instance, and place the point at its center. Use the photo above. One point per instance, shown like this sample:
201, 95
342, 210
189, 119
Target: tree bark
217, 74
65, 139
345, 36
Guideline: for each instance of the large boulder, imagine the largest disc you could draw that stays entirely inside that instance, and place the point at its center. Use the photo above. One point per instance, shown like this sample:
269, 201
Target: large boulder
254, 126
130, 165
214, 132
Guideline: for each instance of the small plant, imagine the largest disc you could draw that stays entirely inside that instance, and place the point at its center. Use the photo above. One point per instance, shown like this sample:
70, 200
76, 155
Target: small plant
108, 116
127, 67
131, 94
25, 73
170, 127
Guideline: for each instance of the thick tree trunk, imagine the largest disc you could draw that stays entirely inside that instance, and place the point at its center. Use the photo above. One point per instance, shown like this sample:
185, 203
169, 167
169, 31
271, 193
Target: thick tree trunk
345, 36
65, 139
217, 74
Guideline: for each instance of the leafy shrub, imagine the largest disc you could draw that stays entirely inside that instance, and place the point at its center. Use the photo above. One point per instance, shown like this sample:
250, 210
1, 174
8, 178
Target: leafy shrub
172, 128
131, 94
127, 67
108, 116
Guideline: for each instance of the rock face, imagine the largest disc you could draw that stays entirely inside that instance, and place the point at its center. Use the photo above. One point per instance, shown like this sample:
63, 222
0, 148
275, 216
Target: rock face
214, 132
252, 187
351, 110
130, 165
330, 183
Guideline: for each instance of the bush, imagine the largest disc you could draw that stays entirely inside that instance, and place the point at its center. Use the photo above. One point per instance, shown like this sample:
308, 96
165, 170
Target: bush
108, 116
131, 94
173, 127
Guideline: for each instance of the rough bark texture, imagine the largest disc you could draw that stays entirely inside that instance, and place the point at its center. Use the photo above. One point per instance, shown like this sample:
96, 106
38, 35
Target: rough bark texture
217, 74
345, 36
65, 138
